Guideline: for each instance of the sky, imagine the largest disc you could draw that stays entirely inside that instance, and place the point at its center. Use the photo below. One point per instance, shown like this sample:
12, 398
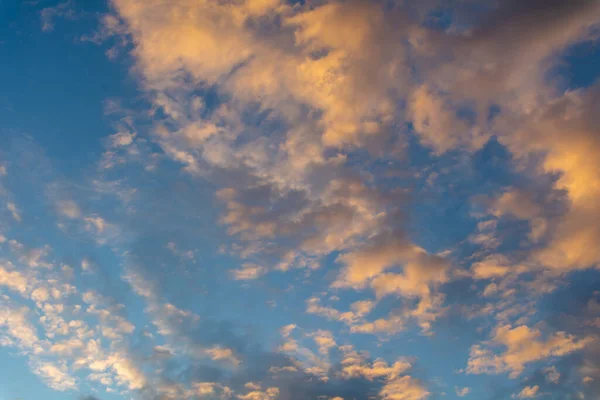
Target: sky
299, 199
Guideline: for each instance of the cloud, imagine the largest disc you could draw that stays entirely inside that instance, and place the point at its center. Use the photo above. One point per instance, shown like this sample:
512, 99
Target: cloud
404, 388
528, 392
121, 139
56, 376
14, 211
324, 341
523, 345
422, 273
49, 14
249, 271
287, 195
17, 327
494, 266
420, 268
569, 247
69, 209
462, 392
223, 354
13, 279
126, 372
397, 385
268, 394
313, 306
100, 333
552, 374
256, 78
438, 124
390, 326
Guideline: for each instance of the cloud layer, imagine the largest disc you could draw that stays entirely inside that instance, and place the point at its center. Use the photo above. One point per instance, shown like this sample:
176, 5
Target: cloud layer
301, 188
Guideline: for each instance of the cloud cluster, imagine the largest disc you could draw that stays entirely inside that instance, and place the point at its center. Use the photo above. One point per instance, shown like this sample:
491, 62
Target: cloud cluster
324, 131
523, 345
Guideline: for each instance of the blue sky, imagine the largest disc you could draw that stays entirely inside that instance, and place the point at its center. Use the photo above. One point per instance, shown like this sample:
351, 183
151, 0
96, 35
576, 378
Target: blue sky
272, 199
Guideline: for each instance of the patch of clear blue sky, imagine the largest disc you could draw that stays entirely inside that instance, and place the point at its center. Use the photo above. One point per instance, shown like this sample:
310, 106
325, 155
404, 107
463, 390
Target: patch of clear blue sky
53, 84
580, 66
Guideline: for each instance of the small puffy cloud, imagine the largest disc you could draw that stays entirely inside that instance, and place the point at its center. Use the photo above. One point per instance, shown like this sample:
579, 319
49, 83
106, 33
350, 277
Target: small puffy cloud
249, 271
518, 203
397, 386
421, 274
33, 258
437, 123
286, 331
283, 370
40, 294
13, 279
223, 354
462, 392
324, 341
121, 139
126, 372
55, 376
169, 319
16, 326
69, 209
112, 323
105, 379
139, 285
14, 211
495, 266
367, 264
353, 366
270, 393
404, 388
67, 347
314, 306
252, 386
49, 14
490, 290
86, 265
390, 326
95, 224
521, 204
211, 390
552, 374
528, 392
364, 264
362, 307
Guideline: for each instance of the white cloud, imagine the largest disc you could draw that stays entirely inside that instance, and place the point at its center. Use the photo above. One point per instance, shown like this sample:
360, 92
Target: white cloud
55, 376
69, 209
14, 211
528, 392
523, 345
249, 271
13, 279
